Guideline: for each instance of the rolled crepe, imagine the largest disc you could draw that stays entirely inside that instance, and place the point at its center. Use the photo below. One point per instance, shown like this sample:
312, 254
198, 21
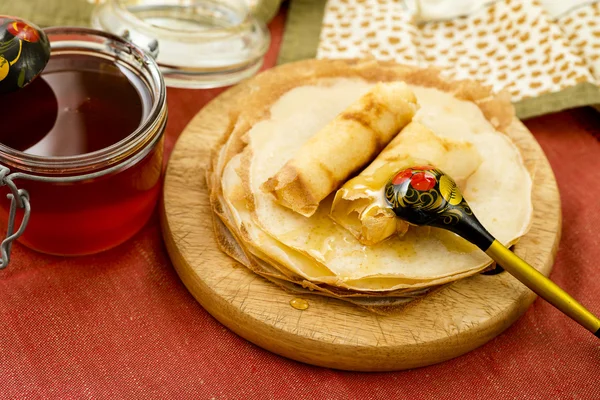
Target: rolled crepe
360, 206
342, 147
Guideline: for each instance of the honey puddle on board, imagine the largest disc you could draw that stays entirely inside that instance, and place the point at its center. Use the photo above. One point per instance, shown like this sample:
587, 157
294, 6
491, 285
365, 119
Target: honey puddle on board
299, 304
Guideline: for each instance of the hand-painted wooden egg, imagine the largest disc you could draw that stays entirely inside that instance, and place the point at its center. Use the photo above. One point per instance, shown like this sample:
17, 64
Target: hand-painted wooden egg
24, 52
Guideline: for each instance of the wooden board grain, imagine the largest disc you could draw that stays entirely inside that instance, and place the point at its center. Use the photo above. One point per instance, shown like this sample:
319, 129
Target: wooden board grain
330, 332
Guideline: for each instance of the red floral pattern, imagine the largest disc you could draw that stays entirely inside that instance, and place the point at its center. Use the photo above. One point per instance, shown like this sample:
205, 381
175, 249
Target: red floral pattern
420, 179
423, 181
402, 177
23, 31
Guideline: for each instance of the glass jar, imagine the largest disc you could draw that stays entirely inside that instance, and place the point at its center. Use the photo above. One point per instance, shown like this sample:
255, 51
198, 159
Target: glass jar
199, 43
90, 202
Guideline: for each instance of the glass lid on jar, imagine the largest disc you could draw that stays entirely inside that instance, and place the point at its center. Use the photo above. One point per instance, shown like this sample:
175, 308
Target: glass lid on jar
197, 43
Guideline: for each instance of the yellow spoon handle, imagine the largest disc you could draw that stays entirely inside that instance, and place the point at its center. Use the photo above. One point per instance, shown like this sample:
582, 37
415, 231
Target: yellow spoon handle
543, 286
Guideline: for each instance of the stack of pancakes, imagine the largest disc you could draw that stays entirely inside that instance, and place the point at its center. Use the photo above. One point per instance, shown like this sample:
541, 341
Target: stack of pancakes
296, 183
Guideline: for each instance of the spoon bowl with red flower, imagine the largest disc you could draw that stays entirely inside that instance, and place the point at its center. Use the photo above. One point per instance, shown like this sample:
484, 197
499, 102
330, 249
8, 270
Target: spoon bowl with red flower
425, 196
24, 53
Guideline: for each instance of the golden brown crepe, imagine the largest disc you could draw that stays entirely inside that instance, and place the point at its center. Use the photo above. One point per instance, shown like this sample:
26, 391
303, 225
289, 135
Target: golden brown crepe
342, 147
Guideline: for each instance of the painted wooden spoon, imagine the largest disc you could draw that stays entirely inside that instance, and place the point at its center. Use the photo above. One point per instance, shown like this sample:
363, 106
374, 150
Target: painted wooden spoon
424, 195
24, 53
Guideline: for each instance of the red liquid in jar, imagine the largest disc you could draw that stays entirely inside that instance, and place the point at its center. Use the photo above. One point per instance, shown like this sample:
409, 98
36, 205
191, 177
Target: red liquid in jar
70, 112
79, 105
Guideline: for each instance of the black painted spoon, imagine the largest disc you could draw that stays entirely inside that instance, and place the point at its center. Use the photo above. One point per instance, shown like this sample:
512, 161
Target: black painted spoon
424, 195
24, 53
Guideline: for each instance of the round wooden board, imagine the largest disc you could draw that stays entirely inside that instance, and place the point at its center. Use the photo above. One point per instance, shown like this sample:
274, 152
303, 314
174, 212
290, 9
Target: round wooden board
330, 332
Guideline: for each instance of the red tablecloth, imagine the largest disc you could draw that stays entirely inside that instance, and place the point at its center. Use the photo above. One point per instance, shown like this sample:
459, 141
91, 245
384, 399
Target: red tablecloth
121, 324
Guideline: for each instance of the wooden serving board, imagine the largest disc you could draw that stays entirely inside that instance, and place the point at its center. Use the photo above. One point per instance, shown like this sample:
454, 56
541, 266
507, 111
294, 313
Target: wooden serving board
330, 332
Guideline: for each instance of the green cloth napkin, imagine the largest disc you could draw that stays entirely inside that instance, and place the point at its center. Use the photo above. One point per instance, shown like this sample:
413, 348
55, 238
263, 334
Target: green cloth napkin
50, 12
302, 30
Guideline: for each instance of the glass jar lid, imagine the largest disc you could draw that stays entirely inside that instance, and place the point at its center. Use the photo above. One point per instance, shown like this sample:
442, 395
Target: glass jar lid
197, 43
